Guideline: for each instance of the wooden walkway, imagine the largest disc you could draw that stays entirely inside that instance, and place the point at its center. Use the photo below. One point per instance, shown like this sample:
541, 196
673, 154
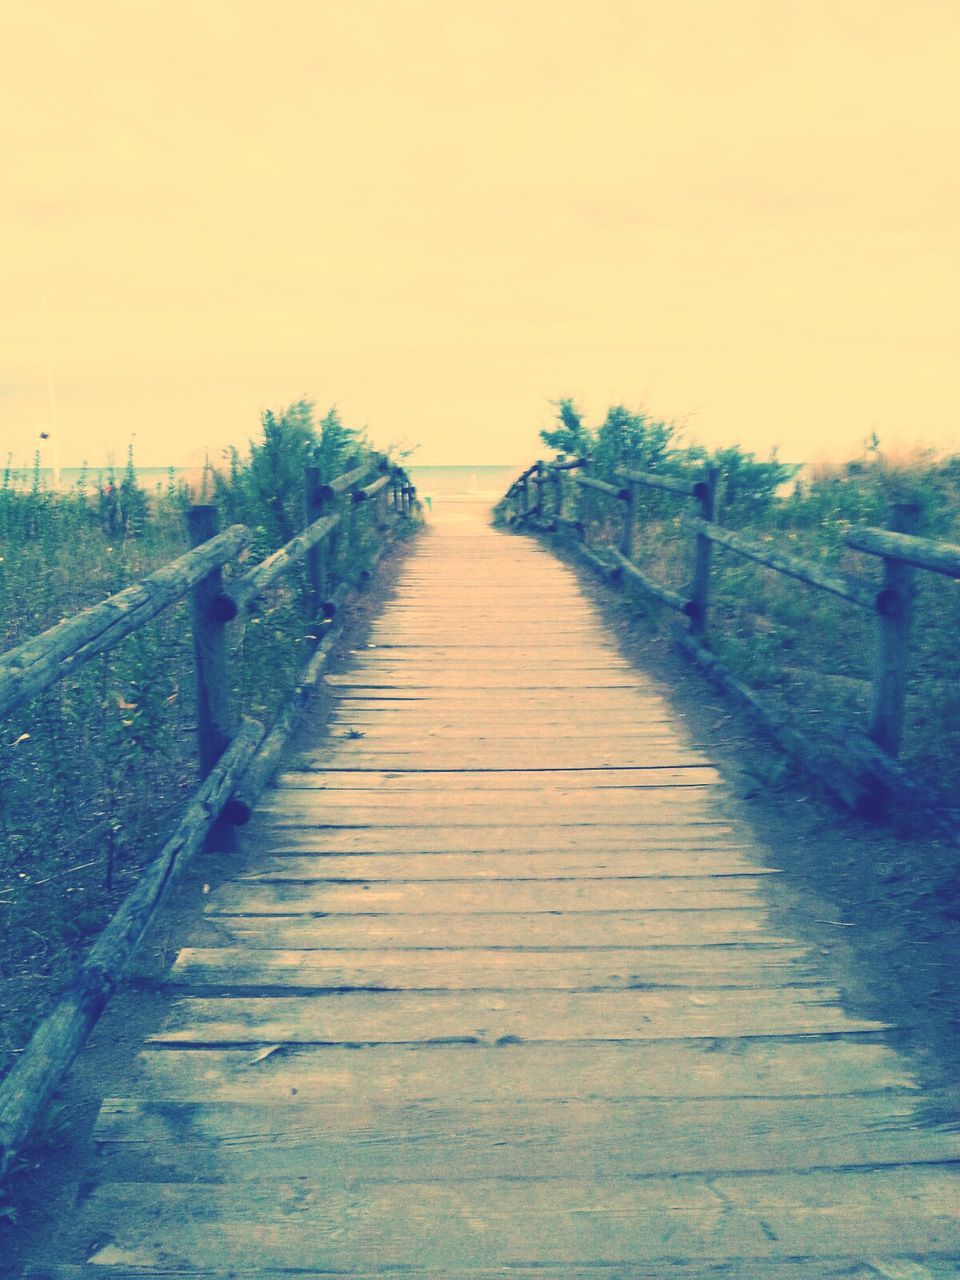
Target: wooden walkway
501, 996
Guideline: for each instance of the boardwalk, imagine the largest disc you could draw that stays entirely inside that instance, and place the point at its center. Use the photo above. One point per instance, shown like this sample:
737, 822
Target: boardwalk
499, 994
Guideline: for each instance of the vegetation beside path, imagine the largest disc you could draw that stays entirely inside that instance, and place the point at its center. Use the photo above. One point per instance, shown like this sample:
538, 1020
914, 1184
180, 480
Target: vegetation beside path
94, 773
809, 654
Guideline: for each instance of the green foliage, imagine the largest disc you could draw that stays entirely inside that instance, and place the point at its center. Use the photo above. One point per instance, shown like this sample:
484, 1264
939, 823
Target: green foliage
94, 773
748, 487
633, 440
266, 492
810, 653
570, 438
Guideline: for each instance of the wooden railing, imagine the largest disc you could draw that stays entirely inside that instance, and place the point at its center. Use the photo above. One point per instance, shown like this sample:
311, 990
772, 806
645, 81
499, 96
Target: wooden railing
867, 778
235, 762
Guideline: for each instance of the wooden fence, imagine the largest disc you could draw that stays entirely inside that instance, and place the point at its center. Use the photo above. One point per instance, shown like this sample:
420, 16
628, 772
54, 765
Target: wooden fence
235, 761
865, 775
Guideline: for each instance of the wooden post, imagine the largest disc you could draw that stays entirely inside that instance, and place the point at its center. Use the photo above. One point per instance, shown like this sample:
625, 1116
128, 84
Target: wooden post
558, 496
584, 505
376, 506
629, 521
383, 499
210, 650
893, 637
210, 659
706, 494
540, 480
315, 506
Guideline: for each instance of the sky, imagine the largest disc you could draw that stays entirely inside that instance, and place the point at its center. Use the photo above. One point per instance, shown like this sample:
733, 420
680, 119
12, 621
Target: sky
442, 215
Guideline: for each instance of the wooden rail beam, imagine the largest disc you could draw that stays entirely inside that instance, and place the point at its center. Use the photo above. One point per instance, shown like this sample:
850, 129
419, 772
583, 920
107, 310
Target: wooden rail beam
40, 662
344, 483
601, 486
922, 553
601, 566
369, 491
244, 591
808, 571
572, 465
662, 593
651, 480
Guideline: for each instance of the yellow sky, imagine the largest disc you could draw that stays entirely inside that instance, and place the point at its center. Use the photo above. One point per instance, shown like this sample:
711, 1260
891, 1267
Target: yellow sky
440, 214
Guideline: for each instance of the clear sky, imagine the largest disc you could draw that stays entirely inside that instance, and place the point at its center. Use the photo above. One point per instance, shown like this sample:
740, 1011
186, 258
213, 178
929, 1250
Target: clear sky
441, 214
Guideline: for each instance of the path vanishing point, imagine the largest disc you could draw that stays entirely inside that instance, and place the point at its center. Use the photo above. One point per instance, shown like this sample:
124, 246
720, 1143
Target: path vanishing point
498, 992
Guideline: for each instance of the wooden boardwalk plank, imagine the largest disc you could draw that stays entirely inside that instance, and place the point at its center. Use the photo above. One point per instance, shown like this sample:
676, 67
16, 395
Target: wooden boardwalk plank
698, 968
581, 865
380, 784
441, 837
236, 1142
821, 1268
499, 991
306, 1224
458, 897
512, 930
448, 1074
666, 1013
302, 806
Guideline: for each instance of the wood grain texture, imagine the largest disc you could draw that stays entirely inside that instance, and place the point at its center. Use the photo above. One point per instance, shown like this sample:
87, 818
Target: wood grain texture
499, 991
327, 1224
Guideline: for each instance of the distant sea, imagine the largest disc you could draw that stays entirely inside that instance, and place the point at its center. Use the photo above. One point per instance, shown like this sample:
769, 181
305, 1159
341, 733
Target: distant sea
463, 482
434, 482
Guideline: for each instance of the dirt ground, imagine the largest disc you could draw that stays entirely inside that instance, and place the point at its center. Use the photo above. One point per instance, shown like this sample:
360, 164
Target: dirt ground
870, 900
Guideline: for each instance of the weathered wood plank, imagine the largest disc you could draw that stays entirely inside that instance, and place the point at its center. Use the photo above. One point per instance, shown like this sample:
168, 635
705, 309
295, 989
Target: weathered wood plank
448, 1074
516, 737
517, 930
441, 837
515, 723
322, 1223
384, 784
305, 808
699, 968
406, 808
697, 896
890, 1268
553, 651
539, 755
408, 1018
236, 1142
475, 669
886, 1268
451, 678
474, 867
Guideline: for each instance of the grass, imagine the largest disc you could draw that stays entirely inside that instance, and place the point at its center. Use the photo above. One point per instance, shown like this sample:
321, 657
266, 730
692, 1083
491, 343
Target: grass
96, 771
